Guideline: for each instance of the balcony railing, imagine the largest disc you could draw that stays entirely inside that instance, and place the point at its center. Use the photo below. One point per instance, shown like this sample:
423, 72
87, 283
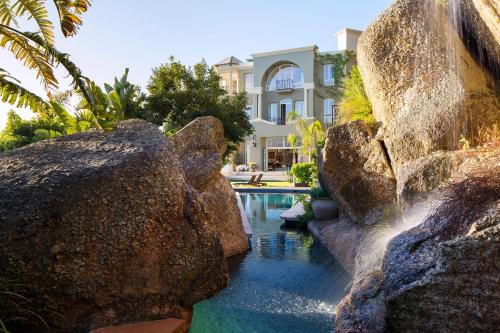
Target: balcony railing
277, 121
284, 85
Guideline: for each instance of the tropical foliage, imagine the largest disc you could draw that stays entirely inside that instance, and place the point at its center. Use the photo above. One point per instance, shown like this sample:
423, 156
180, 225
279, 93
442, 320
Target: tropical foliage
180, 94
305, 172
311, 134
36, 50
19, 132
120, 101
116, 102
354, 104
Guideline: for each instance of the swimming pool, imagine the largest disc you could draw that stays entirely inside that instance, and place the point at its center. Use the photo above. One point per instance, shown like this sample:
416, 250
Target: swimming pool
287, 283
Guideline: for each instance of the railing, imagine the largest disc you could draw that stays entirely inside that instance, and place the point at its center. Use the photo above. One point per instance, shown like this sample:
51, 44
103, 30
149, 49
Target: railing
282, 85
277, 120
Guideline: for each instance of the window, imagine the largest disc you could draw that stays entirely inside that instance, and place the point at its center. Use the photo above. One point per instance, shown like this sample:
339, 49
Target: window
329, 79
329, 111
235, 87
272, 112
280, 142
285, 77
249, 83
249, 111
275, 142
299, 108
223, 84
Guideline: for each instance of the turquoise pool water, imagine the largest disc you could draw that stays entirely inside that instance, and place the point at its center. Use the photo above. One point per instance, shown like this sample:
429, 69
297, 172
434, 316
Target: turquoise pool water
287, 283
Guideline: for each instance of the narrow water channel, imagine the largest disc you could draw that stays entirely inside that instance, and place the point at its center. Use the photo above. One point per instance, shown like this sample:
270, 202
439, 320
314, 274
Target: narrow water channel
287, 283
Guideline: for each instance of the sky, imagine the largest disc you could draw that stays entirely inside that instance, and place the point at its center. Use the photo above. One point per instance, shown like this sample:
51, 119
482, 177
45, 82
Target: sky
140, 35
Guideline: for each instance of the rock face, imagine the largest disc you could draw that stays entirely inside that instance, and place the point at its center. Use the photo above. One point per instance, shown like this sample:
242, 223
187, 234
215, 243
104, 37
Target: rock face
354, 170
489, 10
359, 249
341, 237
363, 309
107, 228
425, 87
478, 24
418, 179
222, 204
431, 72
443, 276
200, 147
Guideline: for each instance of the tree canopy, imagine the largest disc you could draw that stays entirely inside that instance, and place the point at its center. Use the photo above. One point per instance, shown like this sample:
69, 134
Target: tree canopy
36, 50
179, 94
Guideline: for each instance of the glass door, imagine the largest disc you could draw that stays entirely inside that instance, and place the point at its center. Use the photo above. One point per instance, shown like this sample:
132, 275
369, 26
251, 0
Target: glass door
285, 109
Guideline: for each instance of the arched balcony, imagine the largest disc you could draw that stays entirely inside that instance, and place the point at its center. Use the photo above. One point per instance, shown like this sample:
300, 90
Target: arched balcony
284, 78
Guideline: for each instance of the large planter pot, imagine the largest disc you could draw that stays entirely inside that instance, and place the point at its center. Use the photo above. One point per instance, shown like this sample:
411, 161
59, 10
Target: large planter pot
325, 209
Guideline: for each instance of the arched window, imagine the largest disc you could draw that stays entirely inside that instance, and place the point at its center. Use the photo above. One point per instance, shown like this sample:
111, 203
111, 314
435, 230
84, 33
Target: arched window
285, 77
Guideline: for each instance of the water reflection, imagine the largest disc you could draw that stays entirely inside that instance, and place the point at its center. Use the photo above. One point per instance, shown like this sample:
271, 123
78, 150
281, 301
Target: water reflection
287, 283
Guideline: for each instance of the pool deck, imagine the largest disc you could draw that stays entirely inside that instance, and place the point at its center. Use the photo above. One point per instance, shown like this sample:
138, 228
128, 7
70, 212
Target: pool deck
245, 176
292, 190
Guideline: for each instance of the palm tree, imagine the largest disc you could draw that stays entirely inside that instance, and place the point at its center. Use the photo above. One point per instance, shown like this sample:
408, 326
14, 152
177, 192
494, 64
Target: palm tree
36, 50
310, 133
293, 140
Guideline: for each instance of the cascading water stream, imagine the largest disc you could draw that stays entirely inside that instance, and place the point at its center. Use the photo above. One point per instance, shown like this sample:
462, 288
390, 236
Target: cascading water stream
374, 244
452, 32
475, 35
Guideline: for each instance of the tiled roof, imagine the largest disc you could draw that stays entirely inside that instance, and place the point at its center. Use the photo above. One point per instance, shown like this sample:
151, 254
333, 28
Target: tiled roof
232, 60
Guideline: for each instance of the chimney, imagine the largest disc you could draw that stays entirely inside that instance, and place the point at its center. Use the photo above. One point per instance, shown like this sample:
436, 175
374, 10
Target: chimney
347, 39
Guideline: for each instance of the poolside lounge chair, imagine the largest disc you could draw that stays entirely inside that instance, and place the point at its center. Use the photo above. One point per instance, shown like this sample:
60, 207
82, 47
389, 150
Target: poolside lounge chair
251, 181
258, 181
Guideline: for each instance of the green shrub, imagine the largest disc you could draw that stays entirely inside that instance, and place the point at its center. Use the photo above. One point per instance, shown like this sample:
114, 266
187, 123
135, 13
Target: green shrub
318, 193
308, 215
354, 103
305, 172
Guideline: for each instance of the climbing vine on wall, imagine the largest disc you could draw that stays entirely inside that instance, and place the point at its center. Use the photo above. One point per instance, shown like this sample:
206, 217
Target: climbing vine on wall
339, 61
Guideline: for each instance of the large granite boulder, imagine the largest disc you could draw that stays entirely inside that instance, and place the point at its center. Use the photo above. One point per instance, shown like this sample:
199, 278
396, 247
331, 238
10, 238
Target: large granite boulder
478, 25
444, 275
355, 171
420, 179
426, 88
200, 147
103, 228
489, 10
363, 309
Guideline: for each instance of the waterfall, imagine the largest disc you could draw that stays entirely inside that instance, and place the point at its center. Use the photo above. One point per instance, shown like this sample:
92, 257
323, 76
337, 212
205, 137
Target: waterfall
376, 241
475, 35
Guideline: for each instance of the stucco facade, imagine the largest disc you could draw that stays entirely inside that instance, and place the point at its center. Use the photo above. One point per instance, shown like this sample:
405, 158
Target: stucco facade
277, 83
